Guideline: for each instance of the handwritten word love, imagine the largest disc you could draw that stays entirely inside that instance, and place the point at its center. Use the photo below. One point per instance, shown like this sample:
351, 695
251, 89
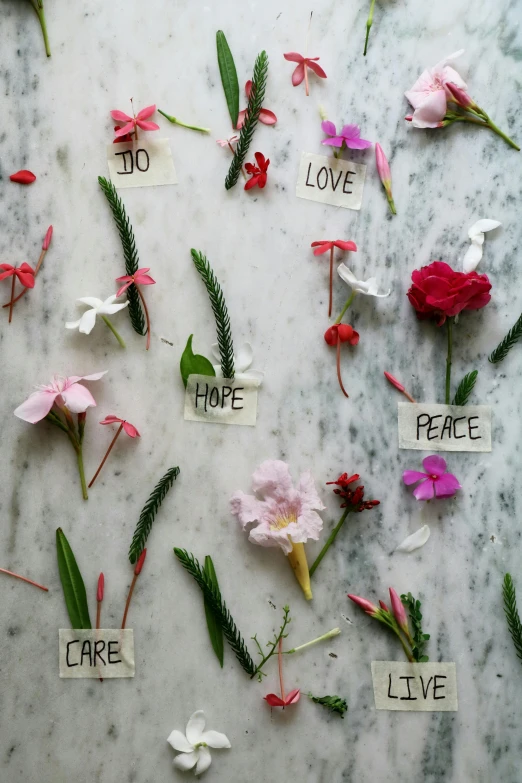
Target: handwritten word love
331, 181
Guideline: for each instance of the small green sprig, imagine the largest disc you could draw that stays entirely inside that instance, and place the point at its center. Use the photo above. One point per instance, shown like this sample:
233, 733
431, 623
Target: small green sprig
465, 388
255, 103
418, 638
332, 703
272, 646
148, 514
219, 308
512, 615
504, 347
176, 121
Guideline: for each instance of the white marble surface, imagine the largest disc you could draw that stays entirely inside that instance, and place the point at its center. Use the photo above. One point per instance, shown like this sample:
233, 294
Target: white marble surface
56, 122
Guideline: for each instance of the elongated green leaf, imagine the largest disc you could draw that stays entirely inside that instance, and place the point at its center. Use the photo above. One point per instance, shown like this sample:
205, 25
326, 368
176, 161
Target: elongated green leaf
228, 72
193, 363
465, 388
72, 583
215, 630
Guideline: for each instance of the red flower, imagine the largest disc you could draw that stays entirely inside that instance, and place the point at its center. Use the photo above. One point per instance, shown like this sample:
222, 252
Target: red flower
127, 137
258, 173
24, 273
276, 701
441, 292
337, 334
344, 480
353, 498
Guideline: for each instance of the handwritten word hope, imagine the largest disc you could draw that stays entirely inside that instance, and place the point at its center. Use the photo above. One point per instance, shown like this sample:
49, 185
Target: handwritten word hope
418, 687
100, 652
141, 163
444, 427
221, 400
331, 181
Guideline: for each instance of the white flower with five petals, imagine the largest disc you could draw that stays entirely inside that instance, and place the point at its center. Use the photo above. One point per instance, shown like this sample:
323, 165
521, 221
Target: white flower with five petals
194, 747
366, 287
98, 307
242, 361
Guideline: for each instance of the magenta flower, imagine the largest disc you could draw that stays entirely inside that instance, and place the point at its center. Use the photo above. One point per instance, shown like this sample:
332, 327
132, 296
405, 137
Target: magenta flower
266, 116
350, 136
436, 483
131, 124
301, 71
63, 392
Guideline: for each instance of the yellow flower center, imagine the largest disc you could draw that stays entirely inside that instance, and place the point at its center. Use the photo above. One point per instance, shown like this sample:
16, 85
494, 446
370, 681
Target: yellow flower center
282, 520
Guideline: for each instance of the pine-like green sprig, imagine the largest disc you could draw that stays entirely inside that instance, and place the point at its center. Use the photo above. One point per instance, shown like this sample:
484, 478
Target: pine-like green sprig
148, 514
503, 348
465, 388
130, 253
332, 703
214, 600
219, 308
255, 103
512, 615
419, 638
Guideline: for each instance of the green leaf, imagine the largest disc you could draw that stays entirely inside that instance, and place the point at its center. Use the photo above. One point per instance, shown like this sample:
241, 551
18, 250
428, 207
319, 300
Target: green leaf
227, 69
465, 388
72, 583
148, 514
214, 627
332, 703
419, 638
193, 364
503, 348
512, 615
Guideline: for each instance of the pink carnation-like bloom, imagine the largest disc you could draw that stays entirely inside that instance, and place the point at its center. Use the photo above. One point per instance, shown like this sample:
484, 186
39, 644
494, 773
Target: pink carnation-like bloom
62, 392
283, 515
430, 93
436, 483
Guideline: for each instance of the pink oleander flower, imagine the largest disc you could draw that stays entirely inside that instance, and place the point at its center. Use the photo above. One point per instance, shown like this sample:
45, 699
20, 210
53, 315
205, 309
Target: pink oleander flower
276, 701
266, 116
436, 482
349, 136
399, 611
138, 278
129, 428
65, 393
430, 93
301, 71
383, 169
131, 124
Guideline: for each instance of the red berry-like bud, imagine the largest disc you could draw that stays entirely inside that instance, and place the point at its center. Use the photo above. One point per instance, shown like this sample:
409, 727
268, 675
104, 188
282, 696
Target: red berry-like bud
24, 177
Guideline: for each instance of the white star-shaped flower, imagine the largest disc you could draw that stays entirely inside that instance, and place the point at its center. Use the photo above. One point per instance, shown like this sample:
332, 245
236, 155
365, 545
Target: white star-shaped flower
98, 307
366, 287
194, 747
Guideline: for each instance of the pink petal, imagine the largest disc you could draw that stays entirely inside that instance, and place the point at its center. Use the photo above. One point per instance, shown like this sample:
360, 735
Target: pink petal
274, 700
124, 130
294, 57
424, 491
95, 376
411, 476
120, 291
321, 247
368, 607
148, 126
120, 116
241, 119
420, 90
272, 479
446, 486
350, 132
336, 141
316, 68
36, 407
345, 245
110, 419
298, 75
248, 88
144, 279
145, 113
247, 508
292, 697
431, 111
130, 429
358, 144
434, 465
308, 492
267, 117
78, 398
124, 278
329, 128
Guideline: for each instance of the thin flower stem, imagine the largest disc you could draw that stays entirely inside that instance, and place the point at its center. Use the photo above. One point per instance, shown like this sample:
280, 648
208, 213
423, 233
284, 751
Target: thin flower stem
274, 644
98, 614
113, 330
39, 9
25, 290
369, 23
307, 91
81, 470
347, 305
280, 664
329, 635
329, 542
102, 463
391, 204
146, 315
24, 579
339, 367
131, 590
331, 281
487, 124
448, 360
11, 303
175, 121
408, 396
52, 418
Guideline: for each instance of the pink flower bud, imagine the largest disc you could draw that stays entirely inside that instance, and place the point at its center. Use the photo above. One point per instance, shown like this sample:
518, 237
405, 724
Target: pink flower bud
399, 611
384, 607
101, 587
368, 607
383, 166
394, 381
460, 97
47, 238
139, 564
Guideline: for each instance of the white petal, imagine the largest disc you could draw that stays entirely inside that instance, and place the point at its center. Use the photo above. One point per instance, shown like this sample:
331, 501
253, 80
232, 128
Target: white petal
195, 727
347, 275
450, 58
215, 739
217, 370
187, 760
483, 225
203, 761
72, 324
179, 742
106, 309
92, 301
244, 358
87, 321
415, 541
472, 257
371, 288
215, 352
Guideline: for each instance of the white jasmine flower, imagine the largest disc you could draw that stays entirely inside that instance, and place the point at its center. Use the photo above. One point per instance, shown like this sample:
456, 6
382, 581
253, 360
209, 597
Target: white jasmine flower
242, 361
194, 747
86, 323
476, 235
366, 287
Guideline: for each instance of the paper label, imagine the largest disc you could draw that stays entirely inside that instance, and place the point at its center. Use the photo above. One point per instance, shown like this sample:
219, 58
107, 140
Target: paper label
137, 164
102, 652
331, 180
220, 400
444, 427
415, 687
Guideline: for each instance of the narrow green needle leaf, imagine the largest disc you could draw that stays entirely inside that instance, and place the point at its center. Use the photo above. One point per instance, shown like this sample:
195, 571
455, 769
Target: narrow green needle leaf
512, 615
214, 627
72, 583
227, 69
504, 347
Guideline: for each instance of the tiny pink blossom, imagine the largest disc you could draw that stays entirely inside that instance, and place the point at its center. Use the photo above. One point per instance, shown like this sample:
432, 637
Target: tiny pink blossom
301, 71
430, 93
282, 515
63, 392
435, 483
266, 116
350, 136
129, 428
138, 278
228, 142
399, 611
137, 120
276, 701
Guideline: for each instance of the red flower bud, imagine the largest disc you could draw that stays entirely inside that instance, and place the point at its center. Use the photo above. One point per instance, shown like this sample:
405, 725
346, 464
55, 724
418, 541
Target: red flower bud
47, 238
24, 177
139, 564
342, 332
101, 587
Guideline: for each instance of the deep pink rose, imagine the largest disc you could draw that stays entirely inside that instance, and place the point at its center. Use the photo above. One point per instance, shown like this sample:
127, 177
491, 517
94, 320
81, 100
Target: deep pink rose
440, 292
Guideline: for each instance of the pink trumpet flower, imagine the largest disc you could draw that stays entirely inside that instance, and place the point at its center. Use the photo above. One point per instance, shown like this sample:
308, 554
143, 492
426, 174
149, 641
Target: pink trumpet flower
435, 483
131, 124
266, 116
383, 169
301, 71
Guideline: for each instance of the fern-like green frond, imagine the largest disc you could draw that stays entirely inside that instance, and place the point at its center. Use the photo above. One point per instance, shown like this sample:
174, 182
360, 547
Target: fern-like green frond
255, 103
504, 347
512, 615
465, 388
130, 253
219, 308
332, 703
147, 516
212, 596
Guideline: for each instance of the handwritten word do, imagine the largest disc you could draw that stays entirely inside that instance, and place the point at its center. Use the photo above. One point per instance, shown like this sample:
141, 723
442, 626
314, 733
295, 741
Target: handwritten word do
142, 163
